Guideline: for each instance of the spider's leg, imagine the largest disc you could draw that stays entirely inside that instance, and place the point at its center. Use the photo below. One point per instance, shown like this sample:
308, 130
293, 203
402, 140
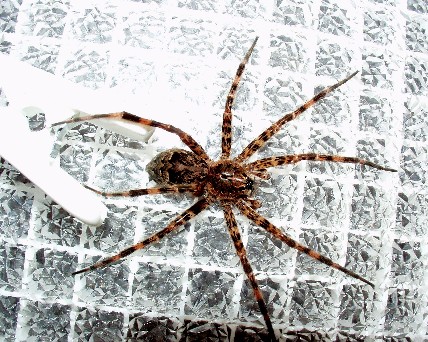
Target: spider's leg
181, 219
260, 173
226, 133
242, 254
264, 223
150, 191
265, 163
257, 143
125, 116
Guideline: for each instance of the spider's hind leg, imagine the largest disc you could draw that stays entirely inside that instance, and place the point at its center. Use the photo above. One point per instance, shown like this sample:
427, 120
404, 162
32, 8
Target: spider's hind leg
131, 118
181, 219
149, 191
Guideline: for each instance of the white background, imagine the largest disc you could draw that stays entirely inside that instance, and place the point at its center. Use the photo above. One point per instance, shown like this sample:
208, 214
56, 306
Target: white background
178, 58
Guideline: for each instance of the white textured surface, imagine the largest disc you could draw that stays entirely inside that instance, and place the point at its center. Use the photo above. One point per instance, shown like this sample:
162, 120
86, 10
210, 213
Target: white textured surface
179, 57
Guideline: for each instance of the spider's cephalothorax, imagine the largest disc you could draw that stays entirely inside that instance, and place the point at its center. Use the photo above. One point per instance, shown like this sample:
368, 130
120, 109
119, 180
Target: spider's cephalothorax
228, 181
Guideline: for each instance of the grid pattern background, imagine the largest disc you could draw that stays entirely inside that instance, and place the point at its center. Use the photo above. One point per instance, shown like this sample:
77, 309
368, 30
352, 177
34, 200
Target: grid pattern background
179, 57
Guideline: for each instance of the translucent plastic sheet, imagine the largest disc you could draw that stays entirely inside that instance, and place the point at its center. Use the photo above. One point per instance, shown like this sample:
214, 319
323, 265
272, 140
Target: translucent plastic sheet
179, 57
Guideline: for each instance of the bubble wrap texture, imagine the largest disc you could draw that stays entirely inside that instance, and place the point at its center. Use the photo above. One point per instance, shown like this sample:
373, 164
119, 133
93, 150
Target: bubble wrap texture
179, 57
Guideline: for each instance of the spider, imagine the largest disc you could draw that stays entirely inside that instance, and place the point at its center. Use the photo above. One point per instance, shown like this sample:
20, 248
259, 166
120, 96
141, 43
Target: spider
229, 181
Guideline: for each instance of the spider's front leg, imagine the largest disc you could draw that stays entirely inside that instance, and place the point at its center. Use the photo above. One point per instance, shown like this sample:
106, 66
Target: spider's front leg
264, 223
265, 163
259, 142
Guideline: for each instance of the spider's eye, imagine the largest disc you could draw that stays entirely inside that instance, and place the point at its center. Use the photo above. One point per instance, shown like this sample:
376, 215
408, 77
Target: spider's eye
225, 176
249, 184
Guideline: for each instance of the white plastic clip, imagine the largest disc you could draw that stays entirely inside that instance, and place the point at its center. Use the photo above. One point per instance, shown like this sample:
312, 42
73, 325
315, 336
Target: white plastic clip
31, 89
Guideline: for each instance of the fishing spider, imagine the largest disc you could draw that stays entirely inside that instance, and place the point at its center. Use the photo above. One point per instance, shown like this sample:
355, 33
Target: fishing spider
228, 181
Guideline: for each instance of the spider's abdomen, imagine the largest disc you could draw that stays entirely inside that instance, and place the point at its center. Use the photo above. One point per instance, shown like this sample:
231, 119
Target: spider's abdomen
177, 167
227, 180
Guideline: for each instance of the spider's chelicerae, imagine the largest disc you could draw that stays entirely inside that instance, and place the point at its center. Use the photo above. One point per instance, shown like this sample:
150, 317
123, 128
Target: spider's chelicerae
227, 181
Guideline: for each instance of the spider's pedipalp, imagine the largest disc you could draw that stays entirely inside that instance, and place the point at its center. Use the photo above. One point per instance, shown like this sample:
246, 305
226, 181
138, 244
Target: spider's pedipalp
142, 192
181, 219
128, 117
257, 143
226, 134
264, 223
234, 233
265, 163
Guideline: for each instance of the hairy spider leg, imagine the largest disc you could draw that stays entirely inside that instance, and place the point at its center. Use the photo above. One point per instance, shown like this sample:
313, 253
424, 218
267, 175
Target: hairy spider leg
264, 163
150, 191
264, 223
242, 254
257, 143
226, 133
181, 219
128, 117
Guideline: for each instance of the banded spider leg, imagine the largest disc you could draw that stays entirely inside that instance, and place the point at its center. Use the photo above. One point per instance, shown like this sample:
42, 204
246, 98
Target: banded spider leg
229, 181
